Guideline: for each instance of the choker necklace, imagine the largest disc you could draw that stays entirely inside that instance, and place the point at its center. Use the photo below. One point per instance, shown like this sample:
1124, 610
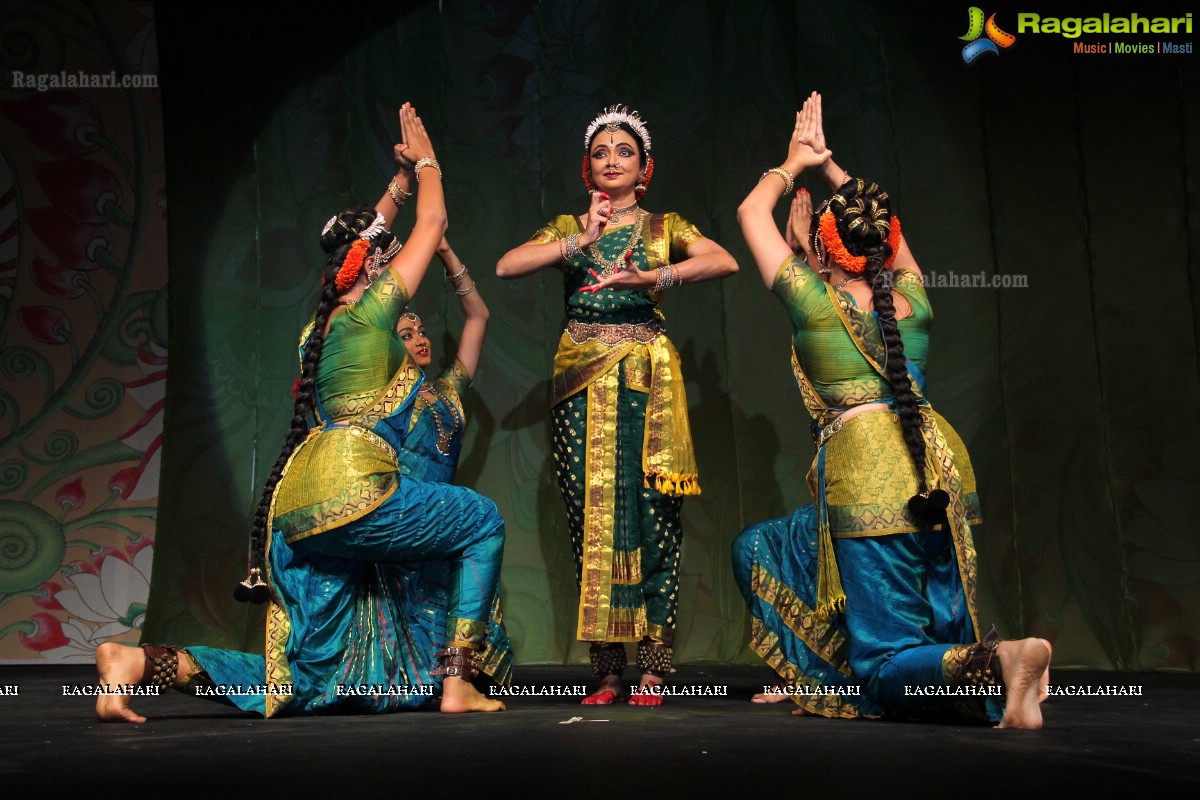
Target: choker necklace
608, 266
617, 213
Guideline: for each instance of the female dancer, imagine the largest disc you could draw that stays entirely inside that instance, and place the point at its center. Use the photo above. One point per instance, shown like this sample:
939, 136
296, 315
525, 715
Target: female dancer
435, 436
354, 622
873, 586
622, 443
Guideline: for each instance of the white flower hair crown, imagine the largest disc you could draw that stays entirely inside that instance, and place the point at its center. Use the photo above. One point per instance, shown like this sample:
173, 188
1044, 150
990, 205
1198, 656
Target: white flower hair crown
378, 226
611, 118
375, 228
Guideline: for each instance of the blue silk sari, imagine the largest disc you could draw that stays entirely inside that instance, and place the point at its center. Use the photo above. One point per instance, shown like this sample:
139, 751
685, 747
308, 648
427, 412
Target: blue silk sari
859, 610
354, 632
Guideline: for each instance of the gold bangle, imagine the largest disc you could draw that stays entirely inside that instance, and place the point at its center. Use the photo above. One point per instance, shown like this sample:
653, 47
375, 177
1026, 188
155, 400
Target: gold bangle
458, 278
399, 196
788, 180
465, 292
426, 162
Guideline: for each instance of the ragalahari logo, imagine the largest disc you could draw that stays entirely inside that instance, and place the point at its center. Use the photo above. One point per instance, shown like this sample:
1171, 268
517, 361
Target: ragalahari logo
976, 27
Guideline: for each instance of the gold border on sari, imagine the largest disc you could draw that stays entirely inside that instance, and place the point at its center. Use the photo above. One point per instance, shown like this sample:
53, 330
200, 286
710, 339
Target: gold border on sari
492, 660
668, 458
278, 631
465, 632
627, 624
627, 567
819, 635
278, 623
765, 644
595, 591
668, 462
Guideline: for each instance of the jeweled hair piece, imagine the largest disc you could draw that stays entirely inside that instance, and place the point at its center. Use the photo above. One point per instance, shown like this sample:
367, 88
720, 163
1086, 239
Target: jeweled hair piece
377, 226
611, 118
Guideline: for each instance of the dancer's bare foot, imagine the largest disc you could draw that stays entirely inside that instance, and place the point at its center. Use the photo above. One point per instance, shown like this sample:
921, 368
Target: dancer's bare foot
1044, 681
118, 665
649, 691
1022, 663
612, 690
773, 695
460, 696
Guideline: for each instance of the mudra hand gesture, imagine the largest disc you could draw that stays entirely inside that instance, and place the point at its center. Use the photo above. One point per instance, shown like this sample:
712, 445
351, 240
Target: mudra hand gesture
806, 147
799, 224
626, 276
597, 218
414, 140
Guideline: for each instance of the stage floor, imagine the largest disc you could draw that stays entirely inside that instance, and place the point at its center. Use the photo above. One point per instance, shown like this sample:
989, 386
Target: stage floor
701, 745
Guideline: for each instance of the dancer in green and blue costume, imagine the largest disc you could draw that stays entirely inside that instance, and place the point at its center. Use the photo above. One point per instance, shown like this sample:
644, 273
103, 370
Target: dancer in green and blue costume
863, 602
381, 580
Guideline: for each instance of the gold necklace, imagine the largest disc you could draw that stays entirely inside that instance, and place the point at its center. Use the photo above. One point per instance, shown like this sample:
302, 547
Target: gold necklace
617, 213
840, 284
609, 266
443, 441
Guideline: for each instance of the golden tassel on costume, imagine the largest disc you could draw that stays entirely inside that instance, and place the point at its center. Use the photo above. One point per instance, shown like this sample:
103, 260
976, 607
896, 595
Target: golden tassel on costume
673, 485
831, 598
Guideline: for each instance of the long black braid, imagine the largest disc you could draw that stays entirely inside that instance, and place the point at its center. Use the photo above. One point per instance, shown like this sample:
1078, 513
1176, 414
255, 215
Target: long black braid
336, 242
863, 216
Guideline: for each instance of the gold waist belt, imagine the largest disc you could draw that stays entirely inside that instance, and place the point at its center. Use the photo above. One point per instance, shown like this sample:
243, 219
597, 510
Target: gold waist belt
643, 332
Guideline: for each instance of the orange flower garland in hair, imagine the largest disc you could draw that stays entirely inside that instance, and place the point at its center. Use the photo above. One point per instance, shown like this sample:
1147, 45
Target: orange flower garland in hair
587, 175
893, 241
649, 174
348, 274
841, 256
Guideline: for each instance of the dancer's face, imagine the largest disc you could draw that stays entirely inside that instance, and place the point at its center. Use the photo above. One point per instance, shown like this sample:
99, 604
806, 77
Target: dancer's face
615, 162
412, 333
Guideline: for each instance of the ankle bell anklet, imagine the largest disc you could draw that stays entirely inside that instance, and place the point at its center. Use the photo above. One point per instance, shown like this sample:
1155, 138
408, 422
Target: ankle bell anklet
608, 659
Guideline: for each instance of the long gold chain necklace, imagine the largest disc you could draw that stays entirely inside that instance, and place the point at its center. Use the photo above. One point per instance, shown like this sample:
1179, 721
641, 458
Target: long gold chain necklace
444, 437
609, 266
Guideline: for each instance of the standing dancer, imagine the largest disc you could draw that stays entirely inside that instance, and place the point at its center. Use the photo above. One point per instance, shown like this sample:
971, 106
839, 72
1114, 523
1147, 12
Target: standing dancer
873, 585
341, 527
622, 443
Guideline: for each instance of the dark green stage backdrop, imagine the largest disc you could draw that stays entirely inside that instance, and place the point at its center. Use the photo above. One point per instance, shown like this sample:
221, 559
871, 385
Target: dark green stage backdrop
1077, 395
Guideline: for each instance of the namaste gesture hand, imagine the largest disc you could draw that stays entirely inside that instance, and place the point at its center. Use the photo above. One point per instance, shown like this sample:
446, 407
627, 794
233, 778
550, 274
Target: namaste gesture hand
414, 141
799, 223
597, 217
806, 148
812, 132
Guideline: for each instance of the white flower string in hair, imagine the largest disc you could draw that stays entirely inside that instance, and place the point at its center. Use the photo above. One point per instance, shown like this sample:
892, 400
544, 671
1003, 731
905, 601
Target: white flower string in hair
375, 228
378, 226
611, 118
